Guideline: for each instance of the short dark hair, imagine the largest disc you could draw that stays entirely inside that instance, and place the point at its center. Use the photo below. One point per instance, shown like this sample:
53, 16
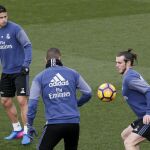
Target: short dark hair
129, 56
2, 9
53, 53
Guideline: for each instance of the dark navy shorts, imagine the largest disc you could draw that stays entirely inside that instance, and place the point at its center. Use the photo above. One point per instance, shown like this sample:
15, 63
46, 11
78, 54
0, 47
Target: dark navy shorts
141, 129
14, 84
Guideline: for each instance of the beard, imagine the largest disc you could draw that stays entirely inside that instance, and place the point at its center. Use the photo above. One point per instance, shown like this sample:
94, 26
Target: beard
123, 71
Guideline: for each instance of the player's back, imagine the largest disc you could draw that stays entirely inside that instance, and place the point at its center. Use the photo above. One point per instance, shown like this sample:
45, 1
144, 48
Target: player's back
59, 86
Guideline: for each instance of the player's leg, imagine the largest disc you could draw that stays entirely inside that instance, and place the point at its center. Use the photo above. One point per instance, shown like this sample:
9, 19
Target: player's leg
22, 88
50, 137
12, 114
22, 100
132, 141
71, 136
10, 109
126, 132
7, 90
140, 133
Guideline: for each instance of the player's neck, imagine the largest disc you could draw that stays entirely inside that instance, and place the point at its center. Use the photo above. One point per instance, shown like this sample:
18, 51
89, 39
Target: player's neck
127, 70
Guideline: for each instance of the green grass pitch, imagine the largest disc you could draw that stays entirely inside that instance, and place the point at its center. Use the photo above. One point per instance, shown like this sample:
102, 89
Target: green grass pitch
89, 33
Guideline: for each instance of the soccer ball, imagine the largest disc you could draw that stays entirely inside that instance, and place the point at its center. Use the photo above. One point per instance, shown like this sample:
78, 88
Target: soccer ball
106, 92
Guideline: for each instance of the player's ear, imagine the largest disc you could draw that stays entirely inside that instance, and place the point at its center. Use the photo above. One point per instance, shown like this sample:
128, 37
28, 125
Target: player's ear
128, 63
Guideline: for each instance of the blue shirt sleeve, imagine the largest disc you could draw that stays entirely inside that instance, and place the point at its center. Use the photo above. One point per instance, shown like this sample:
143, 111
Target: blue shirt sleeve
143, 87
85, 90
35, 92
26, 44
139, 84
147, 95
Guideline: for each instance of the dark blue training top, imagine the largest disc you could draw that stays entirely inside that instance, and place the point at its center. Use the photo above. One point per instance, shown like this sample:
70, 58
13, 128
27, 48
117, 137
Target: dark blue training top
15, 48
57, 85
136, 92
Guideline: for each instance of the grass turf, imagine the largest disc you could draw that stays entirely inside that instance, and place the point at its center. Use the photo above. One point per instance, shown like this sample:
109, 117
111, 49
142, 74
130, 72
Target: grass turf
90, 33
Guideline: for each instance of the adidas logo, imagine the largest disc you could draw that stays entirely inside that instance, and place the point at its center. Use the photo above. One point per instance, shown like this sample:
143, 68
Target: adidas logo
22, 91
58, 80
136, 129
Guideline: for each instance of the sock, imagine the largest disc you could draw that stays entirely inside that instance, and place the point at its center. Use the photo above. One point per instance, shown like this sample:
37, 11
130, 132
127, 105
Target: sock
17, 126
25, 130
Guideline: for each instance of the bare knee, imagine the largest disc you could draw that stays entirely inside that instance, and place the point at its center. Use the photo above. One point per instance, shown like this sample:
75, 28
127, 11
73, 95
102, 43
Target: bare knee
22, 100
132, 141
6, 102
129, 143
126, 132
23, 104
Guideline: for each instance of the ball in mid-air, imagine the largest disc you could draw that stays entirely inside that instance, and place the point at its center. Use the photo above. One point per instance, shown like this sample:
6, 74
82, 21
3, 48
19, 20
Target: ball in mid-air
106, 92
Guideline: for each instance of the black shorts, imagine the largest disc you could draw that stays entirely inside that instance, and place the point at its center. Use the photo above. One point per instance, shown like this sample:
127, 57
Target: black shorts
12, 84
53, 133
141, 129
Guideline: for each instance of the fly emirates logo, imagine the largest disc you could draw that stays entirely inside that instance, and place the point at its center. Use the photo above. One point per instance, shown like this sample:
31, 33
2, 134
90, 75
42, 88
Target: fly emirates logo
5, 46
3, 39
58, 81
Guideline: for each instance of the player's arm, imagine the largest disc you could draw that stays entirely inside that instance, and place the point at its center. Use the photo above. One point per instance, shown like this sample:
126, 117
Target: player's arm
35, 92
143, 87
146, 118
26, 44
85, 90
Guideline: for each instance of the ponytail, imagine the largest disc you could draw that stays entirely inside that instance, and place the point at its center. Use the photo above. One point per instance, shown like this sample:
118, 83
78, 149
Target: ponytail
129, 56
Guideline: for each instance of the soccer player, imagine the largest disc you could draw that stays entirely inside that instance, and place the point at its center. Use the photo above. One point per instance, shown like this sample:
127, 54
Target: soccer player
58, 84
136, 91
15, 57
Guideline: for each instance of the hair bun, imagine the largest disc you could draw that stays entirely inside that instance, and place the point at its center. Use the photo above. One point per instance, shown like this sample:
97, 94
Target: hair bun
130, 49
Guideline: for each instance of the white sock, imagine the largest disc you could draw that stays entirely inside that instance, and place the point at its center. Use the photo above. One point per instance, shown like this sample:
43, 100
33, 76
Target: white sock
17, 126
25, 130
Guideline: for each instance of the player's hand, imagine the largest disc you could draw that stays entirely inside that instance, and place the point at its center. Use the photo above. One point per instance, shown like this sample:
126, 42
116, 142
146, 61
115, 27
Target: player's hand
146, 119
31, 132
24, 70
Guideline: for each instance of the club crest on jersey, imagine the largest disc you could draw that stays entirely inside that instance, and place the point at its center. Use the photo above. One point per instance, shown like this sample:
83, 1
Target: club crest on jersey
58, 80
8, 36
